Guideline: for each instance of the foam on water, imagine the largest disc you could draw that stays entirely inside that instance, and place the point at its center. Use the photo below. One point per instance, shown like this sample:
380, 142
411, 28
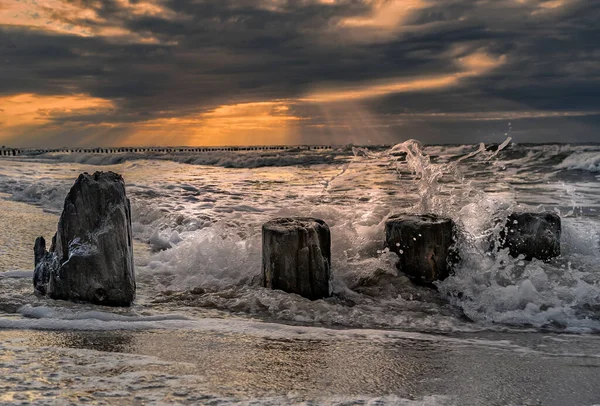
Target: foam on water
73, 319
69, 319
17, 274
210, 257
226, 159
496, 288
203, 226
587, 161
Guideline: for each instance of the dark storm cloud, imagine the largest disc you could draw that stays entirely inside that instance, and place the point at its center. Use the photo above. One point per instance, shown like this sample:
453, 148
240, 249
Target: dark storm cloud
210, 53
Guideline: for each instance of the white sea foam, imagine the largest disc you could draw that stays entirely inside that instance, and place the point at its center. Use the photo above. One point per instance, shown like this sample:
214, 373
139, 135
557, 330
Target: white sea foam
498, 288
227, 159
587, 161
50, 196
212, 257
44, 312
17, 274
44, 318
71, 319
204, 223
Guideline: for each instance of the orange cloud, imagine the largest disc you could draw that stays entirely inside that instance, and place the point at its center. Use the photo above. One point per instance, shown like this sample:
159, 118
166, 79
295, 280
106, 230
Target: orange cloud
29, 13
65, 17
236, 124
25, 112
472, 65
257, 123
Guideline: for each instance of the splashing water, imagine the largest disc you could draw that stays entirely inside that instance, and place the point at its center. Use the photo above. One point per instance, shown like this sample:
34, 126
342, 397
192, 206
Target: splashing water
493, 287
203, 223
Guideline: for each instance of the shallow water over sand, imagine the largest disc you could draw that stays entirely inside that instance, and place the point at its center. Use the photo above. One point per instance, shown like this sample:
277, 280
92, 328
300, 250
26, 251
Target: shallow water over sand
351, 368
197, 256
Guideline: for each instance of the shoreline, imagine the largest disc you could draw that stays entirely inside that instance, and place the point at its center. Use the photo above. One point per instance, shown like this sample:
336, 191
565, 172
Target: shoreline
178, 365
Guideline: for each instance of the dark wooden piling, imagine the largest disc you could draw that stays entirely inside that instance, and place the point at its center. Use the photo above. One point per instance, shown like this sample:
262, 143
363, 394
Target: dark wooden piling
297, 256
423, 244
533, 235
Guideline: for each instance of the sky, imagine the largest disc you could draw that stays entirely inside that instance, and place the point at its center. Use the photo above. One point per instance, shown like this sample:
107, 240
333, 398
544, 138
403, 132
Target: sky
254, 72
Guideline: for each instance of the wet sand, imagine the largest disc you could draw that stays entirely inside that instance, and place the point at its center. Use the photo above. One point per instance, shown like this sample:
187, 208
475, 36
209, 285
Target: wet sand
21, 224
193, 367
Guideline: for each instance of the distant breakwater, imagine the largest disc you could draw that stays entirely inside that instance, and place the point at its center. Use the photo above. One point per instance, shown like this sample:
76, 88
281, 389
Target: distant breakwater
4, 152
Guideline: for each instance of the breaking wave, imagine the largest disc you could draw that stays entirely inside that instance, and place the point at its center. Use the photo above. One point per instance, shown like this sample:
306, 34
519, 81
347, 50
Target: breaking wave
586, 161
202, 229
226, 159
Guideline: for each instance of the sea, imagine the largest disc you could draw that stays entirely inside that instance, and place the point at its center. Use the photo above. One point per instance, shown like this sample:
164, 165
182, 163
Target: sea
499, 331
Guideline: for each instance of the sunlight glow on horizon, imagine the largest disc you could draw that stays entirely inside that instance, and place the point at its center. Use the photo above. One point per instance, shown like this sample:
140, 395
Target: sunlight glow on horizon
255, 123
27, 112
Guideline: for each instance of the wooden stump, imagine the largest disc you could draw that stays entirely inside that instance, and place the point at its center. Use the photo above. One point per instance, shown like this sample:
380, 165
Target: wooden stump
534, 235
423, 244
91, 257
297, 256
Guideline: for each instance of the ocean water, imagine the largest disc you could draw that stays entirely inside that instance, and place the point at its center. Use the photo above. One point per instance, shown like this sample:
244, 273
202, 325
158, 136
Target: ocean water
508, 327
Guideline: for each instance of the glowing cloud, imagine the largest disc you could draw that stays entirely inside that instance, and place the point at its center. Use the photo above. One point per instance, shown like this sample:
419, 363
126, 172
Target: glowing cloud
26, 112
385, 19
68, 17
544, 6
385, 14
471, 65
236, 124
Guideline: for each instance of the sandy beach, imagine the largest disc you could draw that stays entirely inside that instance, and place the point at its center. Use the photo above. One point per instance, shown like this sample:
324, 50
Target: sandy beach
211, 367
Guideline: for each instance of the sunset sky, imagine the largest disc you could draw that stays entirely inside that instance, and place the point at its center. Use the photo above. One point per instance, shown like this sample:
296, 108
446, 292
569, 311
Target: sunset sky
244, 72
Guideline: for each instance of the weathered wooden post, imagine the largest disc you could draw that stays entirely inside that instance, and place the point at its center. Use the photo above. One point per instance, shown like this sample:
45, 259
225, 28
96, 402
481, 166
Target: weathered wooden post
297, 256
91, 257
423, 244
534, 235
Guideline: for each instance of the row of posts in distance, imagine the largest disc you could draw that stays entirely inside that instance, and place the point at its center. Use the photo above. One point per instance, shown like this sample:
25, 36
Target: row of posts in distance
14, 151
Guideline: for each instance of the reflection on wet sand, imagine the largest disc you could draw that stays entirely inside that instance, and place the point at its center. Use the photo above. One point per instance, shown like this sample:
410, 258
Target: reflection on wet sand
238, 365
160, 365
316, 367
113, 341
16, 235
